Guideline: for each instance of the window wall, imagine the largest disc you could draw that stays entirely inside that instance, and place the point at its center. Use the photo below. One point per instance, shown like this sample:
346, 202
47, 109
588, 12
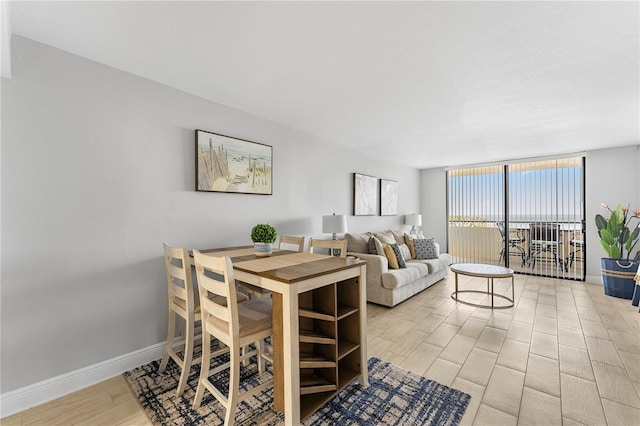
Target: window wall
528, 216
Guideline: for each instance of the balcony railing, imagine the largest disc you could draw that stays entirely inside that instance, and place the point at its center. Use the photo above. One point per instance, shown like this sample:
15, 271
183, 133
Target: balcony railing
477, 240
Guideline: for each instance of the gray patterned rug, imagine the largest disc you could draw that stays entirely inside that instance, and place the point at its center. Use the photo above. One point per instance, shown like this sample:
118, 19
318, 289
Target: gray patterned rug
393, 397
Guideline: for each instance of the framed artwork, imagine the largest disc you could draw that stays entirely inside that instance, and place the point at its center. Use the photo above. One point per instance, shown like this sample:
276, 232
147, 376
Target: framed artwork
388, 197
365, 195
226, 164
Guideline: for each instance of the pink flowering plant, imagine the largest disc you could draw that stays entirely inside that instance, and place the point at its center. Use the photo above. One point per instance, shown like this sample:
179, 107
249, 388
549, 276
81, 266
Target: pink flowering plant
616, 232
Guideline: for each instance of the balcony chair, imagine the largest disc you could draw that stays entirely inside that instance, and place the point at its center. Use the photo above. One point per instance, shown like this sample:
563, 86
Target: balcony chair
545, 238
577, 253
235, 325
182, 303
511, 242
329, 244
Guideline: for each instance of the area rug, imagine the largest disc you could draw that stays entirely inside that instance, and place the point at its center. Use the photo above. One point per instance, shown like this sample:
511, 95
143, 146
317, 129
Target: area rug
393, 397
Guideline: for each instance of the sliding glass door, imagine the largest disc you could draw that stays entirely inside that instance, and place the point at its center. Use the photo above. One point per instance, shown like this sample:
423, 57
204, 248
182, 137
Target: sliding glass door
528, 216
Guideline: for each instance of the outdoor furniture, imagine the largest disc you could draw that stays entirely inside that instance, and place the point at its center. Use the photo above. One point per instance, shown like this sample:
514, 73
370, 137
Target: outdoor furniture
545, 240
511, 242
577, 253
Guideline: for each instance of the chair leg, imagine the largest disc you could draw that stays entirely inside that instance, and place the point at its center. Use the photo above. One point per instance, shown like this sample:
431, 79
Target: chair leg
188, 356
204, 369
259, 348
171, 331
234, 385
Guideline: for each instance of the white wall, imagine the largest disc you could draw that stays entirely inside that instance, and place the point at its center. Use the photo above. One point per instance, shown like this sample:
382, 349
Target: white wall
433, 206
98, 170
612, 176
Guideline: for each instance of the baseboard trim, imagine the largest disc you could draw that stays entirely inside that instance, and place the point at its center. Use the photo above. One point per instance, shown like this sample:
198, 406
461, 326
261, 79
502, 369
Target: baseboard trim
594, 279
47, 390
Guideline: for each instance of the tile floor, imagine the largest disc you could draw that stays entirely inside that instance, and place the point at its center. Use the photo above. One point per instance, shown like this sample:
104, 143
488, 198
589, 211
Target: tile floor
564, 354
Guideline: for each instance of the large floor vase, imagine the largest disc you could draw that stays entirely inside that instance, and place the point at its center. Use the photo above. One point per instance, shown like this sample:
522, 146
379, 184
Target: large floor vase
617, 276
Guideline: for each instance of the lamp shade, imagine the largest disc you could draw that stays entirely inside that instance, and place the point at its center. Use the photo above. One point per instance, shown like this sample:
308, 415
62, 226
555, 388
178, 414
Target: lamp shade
413, 219
334, 224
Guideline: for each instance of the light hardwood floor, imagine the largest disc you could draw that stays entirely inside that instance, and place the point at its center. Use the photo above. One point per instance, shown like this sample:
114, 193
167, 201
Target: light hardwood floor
565, 354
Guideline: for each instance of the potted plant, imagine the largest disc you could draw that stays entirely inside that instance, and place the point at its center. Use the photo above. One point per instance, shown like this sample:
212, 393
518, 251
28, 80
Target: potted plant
263, 236
616, 237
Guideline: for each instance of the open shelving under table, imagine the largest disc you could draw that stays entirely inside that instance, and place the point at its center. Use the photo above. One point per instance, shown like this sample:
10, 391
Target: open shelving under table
319, 323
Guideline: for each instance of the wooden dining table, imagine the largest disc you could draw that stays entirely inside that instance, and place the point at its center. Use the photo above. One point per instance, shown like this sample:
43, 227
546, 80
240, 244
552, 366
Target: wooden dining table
288, 275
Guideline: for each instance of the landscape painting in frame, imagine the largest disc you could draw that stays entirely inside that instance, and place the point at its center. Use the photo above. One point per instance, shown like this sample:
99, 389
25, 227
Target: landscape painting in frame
226, 164
365, 195
388, 197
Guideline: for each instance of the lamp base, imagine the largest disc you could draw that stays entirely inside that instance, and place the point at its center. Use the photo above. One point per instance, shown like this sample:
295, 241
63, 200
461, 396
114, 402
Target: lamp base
413, 231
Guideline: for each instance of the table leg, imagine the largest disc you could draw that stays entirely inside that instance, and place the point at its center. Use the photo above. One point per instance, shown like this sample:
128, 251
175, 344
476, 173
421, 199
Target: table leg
291, 358
492, 293
513, 292
456, 286
278, 346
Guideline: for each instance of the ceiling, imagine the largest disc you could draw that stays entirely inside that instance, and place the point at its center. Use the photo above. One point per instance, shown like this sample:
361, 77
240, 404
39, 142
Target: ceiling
426, 84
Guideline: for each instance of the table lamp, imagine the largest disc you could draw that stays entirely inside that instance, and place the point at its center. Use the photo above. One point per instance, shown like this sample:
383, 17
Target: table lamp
413, 220
334, 224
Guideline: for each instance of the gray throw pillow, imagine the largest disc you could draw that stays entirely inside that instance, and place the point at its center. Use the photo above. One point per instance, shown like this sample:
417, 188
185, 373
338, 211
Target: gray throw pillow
426, 248
372, 246
398, 253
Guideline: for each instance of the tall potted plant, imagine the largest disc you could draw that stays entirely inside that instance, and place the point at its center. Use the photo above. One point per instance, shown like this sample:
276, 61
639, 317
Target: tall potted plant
617, 236
263, 236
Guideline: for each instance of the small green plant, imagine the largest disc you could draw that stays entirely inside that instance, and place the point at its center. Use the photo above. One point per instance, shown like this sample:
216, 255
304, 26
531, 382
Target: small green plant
264, 233
615, 235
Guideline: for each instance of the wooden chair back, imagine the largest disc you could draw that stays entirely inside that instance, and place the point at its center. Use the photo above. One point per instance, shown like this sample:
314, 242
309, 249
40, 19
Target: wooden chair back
179, 280
329, 244
219, 314
295, 241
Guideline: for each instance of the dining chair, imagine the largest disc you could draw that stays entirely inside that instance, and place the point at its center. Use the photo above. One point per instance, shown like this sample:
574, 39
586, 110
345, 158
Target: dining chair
329, 244
285, 243
288, 241
184, 304
545, 238
510, 242
235, 325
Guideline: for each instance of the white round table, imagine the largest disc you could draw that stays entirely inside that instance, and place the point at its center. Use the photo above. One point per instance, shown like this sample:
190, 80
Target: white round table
485, 271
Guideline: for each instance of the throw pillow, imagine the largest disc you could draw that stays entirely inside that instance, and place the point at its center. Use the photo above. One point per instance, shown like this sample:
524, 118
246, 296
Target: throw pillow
379, 247
399, 258
385, 237
411, 245
426, 248
372, 246
406, 253
398, 235
391, 256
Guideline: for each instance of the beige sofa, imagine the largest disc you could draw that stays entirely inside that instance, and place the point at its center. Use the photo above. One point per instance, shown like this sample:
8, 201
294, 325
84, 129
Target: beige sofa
388, 287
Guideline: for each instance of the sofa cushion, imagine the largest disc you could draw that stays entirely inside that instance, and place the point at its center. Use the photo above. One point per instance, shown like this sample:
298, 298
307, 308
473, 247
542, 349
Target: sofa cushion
398, 235
406, 253
372, 246
399, 257
432, 265
391, 256
385, 237
358, 242
412, 248
397, 278
426, 248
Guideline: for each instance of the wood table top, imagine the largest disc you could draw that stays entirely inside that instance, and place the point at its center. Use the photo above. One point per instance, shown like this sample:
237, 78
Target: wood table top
284, 265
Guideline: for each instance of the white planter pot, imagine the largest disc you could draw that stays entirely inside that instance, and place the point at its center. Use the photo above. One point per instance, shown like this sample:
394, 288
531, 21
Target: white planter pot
263, 249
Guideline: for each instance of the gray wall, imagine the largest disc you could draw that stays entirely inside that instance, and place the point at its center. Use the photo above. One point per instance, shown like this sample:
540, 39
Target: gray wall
612, 176
97, 170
